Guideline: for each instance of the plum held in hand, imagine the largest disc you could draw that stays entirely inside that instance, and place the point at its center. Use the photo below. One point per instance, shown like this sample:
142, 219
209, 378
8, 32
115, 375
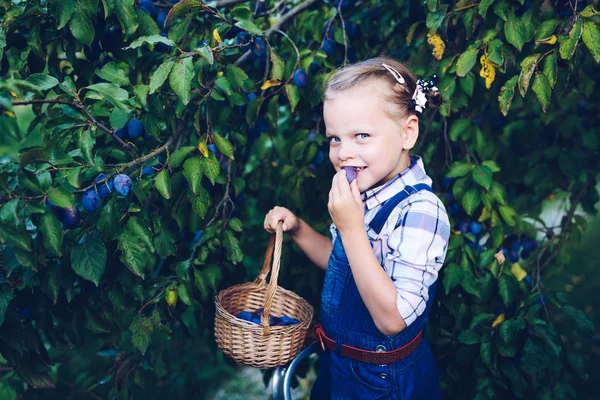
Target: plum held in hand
350, 173
122, 184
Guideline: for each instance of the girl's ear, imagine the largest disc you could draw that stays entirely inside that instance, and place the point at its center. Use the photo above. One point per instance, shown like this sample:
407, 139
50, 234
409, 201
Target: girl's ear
410, 133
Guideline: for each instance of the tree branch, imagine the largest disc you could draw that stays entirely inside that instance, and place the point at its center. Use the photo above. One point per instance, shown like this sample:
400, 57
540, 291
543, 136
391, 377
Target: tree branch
90, 117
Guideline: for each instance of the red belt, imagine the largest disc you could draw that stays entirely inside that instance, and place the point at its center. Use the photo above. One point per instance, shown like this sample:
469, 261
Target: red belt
376, 357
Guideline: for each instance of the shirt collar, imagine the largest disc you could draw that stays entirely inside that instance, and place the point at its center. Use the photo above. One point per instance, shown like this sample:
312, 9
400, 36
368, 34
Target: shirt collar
412, 175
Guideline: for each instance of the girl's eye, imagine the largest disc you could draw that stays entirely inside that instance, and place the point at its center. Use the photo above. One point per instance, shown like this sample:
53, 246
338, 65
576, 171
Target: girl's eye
363, 135
333, 139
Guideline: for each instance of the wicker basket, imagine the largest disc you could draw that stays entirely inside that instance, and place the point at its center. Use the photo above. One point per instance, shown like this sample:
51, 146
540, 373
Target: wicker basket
262, 346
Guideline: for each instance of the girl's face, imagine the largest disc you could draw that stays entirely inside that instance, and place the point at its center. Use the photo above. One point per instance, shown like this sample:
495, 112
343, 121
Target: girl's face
362, 135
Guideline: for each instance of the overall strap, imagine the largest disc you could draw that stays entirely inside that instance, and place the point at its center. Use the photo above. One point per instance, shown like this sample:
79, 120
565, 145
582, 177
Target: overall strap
382, 215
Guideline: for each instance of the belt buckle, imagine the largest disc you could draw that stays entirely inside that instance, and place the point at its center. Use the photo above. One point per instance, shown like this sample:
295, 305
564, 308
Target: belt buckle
319, 332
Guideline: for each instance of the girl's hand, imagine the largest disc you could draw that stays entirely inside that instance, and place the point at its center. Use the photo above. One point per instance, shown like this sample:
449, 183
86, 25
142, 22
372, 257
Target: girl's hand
345, 205
290, 221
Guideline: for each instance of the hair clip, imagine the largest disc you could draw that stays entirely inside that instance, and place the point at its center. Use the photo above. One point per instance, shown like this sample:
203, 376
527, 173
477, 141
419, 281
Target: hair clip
395, 73
419, 100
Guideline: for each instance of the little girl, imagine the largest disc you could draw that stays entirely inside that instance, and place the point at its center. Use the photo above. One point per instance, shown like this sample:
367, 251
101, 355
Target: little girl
390, 235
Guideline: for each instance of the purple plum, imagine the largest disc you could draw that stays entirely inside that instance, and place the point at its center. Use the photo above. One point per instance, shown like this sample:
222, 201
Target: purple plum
350, 173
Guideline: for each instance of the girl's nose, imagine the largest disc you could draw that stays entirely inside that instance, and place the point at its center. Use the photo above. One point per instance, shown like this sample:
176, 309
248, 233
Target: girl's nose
346, 151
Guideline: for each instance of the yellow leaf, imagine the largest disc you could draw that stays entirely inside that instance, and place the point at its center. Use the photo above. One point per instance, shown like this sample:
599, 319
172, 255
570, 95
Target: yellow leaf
499, 256
10, 114
269, 84
518, 271
217, 36
203, 148
438, 45
500, 319
549, 40
220, 74
171, 296
488, 71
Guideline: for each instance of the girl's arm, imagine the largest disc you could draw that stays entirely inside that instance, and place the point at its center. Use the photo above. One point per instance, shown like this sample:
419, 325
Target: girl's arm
316, 246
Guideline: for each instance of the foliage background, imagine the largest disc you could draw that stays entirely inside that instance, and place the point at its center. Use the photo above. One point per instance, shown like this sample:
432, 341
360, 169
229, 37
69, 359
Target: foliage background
118, 302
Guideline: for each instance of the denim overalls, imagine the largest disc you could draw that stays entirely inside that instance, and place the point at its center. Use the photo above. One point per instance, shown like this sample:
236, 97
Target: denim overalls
345, 319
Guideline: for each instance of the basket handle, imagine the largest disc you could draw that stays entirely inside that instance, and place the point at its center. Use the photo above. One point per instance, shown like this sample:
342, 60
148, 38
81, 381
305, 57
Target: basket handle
274, 247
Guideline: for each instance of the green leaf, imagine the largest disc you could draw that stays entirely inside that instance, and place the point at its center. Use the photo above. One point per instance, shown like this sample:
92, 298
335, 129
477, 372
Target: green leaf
51, 229
185, 293
152, 39
112, 93
235, 224
142, 232
192, 170
147, 25
568, 43
249, 26
483, 176
466, 61
42, 81
483, 7
141, 94
222, 83
164, 242
133, 255
223, 145
141, 331
551, 68
6, 295
62, 10
232, 247
546, 29
458, 128
453, 276
469, 337
163, 183
187, 8
210, 167
495, 52
292, 94
508, 214
179, 155
277, 67
507, 287
236, 76
86, 143
241, 11
61, 197
207, 54
160, 75
529, 64
591, 38
82, 21
582, 322
589, 11
108, 222
127, 16
2, 41
515, 31
88, 259
200, 202
11, 236
550, 337
541, 87
510, 328
459, 168
507, 93
471, 200
434, 20
180, 78
110, 72
492, 165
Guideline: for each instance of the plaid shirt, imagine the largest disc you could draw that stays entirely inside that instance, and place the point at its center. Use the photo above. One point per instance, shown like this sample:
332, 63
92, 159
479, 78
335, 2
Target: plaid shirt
412, 244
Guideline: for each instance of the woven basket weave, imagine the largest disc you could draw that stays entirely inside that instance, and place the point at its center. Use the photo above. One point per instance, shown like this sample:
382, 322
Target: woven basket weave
262, 346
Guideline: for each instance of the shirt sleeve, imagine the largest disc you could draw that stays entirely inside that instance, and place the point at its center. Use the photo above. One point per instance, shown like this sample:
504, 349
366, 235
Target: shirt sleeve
333, 230
417, 249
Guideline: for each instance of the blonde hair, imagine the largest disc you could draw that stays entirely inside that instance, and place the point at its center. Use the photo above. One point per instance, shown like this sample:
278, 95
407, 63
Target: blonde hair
400, 99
